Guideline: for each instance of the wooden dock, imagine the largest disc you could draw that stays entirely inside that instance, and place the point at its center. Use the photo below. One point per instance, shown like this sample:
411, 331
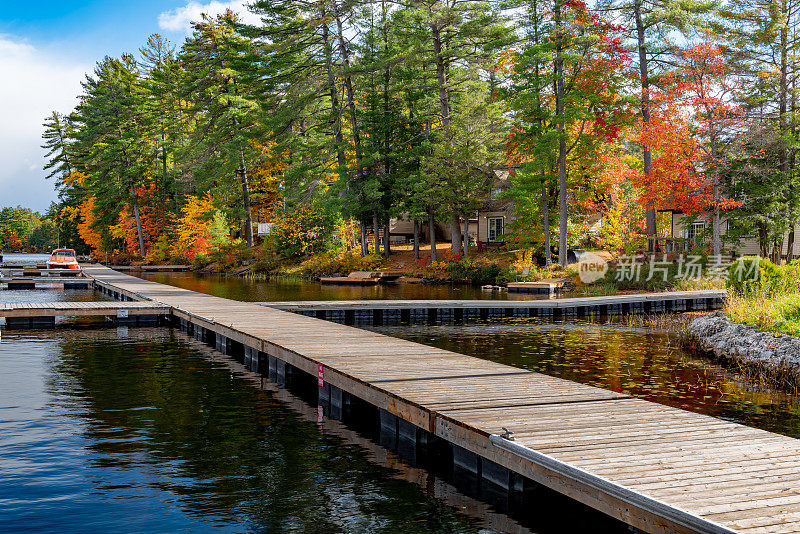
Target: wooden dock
44, 272
657, 468
540, 287
43, 314
399, 312
31, 282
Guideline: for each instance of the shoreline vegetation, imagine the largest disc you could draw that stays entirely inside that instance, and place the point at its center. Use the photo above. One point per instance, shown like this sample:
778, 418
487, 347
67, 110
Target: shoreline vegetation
496, 267
757, 330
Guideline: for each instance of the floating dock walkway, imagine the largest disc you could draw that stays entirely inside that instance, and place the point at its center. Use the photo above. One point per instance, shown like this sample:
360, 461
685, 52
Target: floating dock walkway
32, 282
43, 314
397, 312
657, 468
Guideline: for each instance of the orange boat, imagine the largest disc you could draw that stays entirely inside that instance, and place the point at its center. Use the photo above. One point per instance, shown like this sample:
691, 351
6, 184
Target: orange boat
62, 258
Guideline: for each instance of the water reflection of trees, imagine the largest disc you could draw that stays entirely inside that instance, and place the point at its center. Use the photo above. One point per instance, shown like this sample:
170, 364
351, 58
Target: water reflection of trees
229, 453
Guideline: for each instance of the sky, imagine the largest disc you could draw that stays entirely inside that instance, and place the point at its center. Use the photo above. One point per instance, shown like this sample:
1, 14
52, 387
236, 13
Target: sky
46, 49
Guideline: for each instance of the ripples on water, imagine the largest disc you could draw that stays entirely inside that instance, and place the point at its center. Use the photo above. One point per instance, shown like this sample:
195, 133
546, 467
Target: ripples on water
143, 434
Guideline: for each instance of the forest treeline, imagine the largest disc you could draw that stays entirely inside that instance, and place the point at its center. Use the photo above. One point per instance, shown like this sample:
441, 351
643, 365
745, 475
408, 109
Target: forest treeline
25, 230
333, 116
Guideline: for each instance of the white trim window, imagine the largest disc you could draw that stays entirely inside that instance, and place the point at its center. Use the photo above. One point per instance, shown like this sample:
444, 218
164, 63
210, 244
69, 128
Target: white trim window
695, 229
495, 225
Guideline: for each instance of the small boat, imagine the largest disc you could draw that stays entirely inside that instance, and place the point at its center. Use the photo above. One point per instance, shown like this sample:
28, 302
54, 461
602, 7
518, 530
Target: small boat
63, 258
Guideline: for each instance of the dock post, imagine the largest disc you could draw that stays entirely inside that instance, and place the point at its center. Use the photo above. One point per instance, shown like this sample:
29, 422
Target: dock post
222, 344
248, 357
260, 363
324, 397
336, 402
496, 474
388, 433
466, 468
280, 372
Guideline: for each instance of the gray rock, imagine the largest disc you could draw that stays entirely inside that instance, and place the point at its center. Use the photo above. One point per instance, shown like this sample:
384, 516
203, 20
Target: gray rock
729, 341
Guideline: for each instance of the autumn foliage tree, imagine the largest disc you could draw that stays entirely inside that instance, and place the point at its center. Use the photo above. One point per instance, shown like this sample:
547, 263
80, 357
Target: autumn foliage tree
689, 122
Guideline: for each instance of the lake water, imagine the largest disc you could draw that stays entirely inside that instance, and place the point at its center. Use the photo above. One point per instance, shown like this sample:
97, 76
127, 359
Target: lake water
149, 431
24, 259
291, 289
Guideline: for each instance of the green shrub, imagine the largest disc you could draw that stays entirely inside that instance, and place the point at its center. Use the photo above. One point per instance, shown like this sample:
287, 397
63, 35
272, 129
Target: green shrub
755, 275
303, 230
471, 271
326, 264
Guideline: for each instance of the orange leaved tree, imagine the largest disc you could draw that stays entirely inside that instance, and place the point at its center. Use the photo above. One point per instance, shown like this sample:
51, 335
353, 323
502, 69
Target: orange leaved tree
688, 120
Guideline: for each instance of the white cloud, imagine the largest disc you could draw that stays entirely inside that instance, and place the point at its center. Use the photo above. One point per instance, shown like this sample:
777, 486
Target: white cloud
180, 19
34, 83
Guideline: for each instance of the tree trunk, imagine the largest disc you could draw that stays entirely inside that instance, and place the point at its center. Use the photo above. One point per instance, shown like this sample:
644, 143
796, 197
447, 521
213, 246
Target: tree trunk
376, 232
416, 240
783, 95
164, 163
441, 76
548, 259
348, 84
138, 221
466, 236
562, 139
650, 214
364, 242
248, 225
432, 233
387, 247
763, 239
455, 235
336, 115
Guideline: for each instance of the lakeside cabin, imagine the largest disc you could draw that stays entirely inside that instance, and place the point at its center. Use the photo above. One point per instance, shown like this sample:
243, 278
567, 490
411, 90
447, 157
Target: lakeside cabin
486, 225
687, 231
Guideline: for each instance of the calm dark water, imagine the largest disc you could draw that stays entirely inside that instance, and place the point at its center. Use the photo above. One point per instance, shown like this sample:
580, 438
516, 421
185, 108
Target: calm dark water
145, 433
642, 362
289, 289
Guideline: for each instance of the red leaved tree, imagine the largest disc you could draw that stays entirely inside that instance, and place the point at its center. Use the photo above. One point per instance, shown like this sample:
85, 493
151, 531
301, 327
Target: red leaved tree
688, 121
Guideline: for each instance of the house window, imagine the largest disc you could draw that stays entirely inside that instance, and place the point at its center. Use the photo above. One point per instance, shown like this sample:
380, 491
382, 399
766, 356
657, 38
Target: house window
694, 231
495, 228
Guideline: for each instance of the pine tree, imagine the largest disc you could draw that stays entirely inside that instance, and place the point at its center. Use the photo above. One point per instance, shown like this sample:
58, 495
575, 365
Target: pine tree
225, 106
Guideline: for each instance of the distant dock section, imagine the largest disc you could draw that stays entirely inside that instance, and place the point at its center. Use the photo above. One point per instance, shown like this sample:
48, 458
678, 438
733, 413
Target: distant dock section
399, 312
44, 314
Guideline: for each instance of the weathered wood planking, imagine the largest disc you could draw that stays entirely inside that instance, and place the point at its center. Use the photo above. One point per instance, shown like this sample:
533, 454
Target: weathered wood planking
79, 309
658, 468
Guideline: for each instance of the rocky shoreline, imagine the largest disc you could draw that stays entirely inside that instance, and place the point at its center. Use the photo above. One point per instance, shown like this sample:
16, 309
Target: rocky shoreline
775, 356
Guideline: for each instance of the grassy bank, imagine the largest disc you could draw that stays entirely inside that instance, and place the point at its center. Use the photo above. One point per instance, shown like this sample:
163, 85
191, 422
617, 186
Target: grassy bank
768, 313
764, 295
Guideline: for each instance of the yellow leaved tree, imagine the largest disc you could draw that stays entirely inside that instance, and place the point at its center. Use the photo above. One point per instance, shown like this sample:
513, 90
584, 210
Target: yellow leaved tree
193, 226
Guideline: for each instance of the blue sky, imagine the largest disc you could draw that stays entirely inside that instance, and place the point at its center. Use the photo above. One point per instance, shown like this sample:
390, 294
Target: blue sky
46, 47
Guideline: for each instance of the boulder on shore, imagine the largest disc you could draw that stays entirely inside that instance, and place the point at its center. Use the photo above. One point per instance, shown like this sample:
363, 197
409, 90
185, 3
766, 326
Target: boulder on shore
776, 354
